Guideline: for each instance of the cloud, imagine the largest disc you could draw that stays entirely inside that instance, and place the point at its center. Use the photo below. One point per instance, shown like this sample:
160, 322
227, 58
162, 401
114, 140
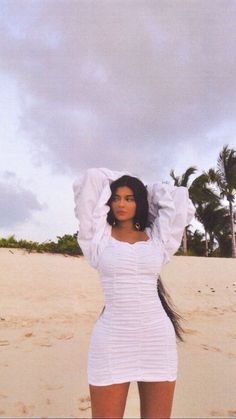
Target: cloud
17, 204
121, 85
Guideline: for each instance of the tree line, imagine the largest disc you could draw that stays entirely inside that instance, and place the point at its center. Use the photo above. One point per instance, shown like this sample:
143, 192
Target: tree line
208, 191
66, 245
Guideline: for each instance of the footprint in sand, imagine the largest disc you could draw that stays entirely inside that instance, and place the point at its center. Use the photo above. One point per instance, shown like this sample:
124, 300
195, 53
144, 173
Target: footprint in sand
217, 413
53, 387
2, 396
42, 342
29, 334
231, 355
205, 347
4, 342
64, 336
232, 335
22, 409
84, 403
191, 332
210, 348
215, 349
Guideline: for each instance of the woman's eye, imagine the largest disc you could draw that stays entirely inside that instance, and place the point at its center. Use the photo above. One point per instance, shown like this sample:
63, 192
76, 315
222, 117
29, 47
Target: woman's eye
117, 198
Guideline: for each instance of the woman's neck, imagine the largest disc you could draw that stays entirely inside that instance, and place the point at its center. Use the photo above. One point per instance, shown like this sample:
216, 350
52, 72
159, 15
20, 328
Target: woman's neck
125, 226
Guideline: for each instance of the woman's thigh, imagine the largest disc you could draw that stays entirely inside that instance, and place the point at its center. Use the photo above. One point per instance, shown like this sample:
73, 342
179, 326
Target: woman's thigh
156, 398
108, 401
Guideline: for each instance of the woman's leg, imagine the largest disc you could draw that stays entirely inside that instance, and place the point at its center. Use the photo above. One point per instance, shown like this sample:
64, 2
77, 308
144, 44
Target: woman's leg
108, 401
156, 398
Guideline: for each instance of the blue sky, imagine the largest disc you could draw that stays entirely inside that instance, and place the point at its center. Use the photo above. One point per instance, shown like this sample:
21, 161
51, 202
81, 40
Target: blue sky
145, 86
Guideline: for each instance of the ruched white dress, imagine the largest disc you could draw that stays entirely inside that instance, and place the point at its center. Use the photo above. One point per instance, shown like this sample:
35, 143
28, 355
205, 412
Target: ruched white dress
133, 339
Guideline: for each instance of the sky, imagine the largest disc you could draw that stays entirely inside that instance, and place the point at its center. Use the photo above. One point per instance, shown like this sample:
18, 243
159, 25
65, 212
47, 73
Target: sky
139, 85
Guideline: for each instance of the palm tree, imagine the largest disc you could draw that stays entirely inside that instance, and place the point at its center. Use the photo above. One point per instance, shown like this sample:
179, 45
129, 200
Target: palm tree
196, 242
207, 204
210, 214
222, 235
199, 193
183, 181
225, 178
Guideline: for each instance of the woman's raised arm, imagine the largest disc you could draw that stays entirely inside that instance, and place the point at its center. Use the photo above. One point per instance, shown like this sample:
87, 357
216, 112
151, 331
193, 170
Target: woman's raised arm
91, 193
170, 211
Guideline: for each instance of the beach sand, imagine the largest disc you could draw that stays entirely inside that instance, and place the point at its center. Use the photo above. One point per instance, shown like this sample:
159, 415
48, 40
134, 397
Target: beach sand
49, 304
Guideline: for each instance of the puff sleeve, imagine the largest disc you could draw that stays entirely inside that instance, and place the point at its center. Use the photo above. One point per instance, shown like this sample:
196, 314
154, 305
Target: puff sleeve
170, 211
91, 193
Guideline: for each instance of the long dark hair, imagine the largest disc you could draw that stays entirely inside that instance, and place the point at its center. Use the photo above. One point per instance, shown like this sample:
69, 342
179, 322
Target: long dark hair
168, 306
141, 216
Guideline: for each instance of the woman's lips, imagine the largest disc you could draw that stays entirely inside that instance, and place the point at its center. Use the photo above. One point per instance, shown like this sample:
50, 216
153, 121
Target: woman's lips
120, 212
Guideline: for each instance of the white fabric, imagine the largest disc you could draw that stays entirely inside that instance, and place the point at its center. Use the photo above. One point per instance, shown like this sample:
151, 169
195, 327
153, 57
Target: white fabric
133, 339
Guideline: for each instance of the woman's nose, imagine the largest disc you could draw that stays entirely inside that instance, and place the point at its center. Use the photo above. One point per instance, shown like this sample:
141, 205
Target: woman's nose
121, 203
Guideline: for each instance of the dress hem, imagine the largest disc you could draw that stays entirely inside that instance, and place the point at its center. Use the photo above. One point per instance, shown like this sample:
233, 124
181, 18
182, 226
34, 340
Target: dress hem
151, 379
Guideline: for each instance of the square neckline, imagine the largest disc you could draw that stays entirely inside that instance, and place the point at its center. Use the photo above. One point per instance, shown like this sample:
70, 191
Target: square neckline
131, 244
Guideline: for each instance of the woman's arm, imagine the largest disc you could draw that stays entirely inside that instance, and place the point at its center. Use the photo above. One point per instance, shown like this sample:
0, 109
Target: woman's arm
87, 191
91, 193
171, 211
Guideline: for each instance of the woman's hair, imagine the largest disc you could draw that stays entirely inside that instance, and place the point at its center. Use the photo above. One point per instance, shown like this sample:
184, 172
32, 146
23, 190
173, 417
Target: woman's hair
140, 195
168, 306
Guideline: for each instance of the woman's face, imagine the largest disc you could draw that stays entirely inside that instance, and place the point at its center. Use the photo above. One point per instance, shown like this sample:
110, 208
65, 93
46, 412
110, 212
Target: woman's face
123, 204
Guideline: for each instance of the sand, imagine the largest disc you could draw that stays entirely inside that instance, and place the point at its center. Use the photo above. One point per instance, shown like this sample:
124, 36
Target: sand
49, 304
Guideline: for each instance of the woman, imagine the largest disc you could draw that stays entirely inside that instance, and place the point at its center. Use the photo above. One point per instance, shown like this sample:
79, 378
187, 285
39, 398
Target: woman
127, 232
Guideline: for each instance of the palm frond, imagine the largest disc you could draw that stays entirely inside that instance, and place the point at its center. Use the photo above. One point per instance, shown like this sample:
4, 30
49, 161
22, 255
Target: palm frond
175, 178
186, 175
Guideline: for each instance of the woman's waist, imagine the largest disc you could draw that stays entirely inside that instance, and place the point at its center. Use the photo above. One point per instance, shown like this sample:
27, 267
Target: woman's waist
117, 295
120, 311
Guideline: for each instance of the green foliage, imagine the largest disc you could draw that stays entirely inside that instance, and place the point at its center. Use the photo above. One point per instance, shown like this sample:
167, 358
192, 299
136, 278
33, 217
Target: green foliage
66, 244
183, 180
190, 252
196, 243
206, 192
9, 242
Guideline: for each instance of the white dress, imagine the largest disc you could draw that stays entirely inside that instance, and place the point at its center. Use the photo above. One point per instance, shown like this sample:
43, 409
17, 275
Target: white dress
133, 339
